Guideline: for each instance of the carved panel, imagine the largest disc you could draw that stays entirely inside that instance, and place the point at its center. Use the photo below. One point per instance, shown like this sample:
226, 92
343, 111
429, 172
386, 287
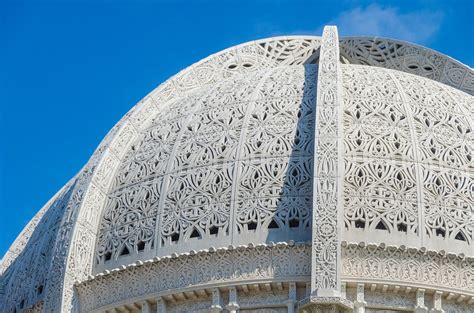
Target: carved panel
203, 154
402, 265
327, 169
277, 190
196, 201
410, 58
380, 189
197, 269
380, 194
408, 155
129, 222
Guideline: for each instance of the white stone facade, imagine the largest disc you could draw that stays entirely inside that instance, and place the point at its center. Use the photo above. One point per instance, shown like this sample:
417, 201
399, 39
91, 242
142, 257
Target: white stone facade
310, 174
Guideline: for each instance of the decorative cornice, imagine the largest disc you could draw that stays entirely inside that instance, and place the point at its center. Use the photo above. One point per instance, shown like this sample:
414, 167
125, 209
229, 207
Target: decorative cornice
191, 253
403, 248
250, 264
407, 266
210, 267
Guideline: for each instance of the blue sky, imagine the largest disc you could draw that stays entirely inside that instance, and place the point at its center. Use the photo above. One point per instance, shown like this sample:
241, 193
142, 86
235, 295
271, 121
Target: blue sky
70, 69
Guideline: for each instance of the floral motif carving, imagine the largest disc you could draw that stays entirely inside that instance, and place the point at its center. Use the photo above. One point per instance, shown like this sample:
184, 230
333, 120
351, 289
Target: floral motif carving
409, 58
197, 269
223, 151
402, 265
181, 174
408, 159
327, 169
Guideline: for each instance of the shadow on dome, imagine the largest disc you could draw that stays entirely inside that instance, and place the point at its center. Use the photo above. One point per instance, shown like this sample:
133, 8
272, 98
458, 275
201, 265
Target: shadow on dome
290, 204
27, 276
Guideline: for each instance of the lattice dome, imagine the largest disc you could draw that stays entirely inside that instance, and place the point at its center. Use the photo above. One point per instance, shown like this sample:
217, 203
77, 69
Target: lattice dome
222, 165
308, 166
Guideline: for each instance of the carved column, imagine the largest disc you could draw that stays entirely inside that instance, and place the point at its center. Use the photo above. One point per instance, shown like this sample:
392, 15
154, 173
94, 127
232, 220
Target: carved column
360, 302
216, 306
145, 306
420, 302
291, 297
160, 306
328, 179
437, 302
233, 305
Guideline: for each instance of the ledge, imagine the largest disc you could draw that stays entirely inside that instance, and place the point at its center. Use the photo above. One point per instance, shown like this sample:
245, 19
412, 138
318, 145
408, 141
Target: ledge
185, 255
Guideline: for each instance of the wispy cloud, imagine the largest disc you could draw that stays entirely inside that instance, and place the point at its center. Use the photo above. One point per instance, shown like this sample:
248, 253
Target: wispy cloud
374, 20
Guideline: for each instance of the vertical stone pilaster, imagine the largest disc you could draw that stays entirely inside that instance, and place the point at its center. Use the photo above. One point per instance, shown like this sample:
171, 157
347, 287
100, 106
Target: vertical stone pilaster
343, 290
160, 306
308, 290
328, 181
360, 302
216, 305
437, 302
145, 307
233, 305
325, 280
291, 297
420, 302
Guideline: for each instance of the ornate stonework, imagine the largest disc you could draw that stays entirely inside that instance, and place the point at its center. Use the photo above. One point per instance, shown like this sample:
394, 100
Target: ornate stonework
216, 148
357, 149
409, 266
197, 270
409, 58
401, 269
328, 155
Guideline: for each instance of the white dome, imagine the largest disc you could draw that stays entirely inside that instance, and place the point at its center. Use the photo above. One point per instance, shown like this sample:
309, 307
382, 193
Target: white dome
231, 163
251, 147
216, 167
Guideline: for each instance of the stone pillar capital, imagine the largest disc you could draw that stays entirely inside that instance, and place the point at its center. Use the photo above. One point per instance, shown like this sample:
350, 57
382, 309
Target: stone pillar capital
325, 305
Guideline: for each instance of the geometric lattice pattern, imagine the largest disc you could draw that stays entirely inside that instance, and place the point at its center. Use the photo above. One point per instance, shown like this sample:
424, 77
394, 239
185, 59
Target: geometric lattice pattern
234, 159
408, 155
231, 160
27, 286
222, 156
408, 58
325, 280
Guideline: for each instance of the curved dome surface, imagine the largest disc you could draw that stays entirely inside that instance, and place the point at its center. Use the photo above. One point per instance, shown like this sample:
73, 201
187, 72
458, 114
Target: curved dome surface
408, 158
231, 163
268, 172
223, 165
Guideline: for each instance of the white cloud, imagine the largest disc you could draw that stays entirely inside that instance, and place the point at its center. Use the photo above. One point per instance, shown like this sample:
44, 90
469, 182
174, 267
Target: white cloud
374, 20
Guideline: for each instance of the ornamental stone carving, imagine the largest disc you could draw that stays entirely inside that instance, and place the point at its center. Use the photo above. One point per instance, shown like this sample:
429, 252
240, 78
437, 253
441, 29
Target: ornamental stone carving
248, 138
288, 174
